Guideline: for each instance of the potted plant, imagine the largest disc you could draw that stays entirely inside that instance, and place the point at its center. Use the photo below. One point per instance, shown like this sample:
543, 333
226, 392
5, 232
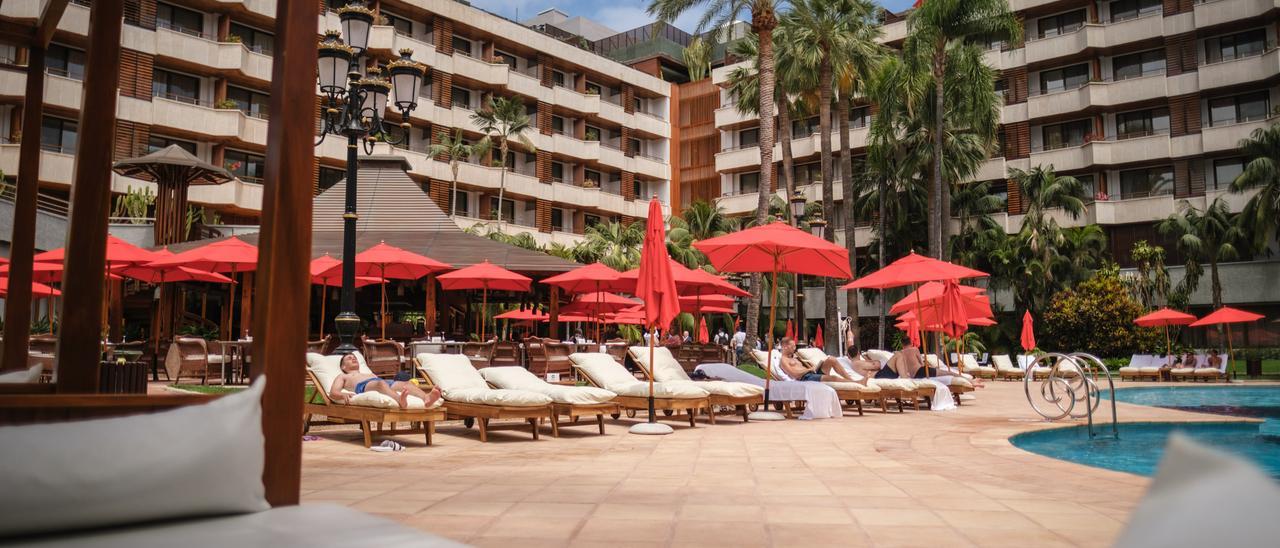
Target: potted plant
1252, 362
226, 104
232, 39
593, 134
590, 183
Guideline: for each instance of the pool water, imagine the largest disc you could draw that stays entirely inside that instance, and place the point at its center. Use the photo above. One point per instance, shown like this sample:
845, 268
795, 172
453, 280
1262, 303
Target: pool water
1141, 445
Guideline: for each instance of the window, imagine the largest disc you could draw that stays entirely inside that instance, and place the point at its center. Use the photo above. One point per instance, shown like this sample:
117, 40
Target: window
157, 142
508, 211
593, 176
248, 101
179, 19
61, 60
1137, 183
329, 177
1225, 172
1087, 183
589, 220
1235, 46
594, 88
507, 58
748, 183
557, 124
404, 27
637, 147
1140, 123
1068, 134
859, 116
558, 78
179, 87
557, 219
807, 173
463, 201
637, 188
462, 45
1061, 23
749, 137
254, 39
804, 128
1138, 64
1128, 9
592, 133
58, 135
1064, 78
246, 166
461, 97
557, 171
1239, 108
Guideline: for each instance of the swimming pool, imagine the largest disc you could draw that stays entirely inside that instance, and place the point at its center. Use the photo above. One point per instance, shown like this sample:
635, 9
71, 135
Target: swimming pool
1142, 444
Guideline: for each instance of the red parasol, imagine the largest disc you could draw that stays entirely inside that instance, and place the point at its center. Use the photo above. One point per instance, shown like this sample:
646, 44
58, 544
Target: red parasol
954, 315
484, 276
390, 262
702, 332
656, 286
1227, 316
230, 256
41, 272
913, 269
592, 278
817, 337
693, 282
1166, 317
160, 275
929, 293
38, 290
1028, 339
704, 303
598, 303
790, 332
523, 315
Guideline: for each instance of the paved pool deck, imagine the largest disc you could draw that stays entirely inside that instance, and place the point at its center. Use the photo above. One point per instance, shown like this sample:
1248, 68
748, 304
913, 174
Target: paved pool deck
914, 479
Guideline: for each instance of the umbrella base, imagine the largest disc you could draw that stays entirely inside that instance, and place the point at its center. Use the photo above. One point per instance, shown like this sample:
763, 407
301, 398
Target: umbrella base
765, 416
651, 429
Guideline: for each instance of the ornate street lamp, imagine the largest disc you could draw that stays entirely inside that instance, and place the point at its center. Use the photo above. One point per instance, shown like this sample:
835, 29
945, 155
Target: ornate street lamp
353, 106
797, 204
797, 207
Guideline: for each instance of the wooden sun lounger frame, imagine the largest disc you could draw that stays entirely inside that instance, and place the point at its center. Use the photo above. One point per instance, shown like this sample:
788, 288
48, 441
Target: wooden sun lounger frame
741, 404
482, 414
856, 397
636, 403
338, 413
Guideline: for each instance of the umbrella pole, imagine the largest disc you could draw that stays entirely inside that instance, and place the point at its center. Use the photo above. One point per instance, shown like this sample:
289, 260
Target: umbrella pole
1168, 347
920, 327
484, 306
324, 296
773, 317
382, 310
653, 417
1230, 362
231, 315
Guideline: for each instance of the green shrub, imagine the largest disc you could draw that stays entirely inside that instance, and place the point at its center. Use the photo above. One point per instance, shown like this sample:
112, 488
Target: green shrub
1097, 317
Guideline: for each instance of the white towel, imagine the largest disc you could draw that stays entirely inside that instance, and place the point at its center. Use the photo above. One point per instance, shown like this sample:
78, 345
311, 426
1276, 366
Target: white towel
942, 400
821, 401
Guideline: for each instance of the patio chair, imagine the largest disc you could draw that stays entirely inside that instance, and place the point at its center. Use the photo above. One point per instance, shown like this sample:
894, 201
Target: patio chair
479, 353
616, 349
468, 396
537, 359
41, 350
1207, 373
505, 353
602, 371
1186, 371
556, 360
969, 364
190, 357
571, 402
1005, 368
364, 409
385, 358
667, 370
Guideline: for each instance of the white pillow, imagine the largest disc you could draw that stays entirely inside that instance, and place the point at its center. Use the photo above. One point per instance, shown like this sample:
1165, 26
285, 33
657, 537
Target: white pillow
30, 375
327, 368
193, 461
451, 372
811, 356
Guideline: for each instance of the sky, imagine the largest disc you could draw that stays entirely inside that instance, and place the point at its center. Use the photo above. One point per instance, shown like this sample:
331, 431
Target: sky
619, 15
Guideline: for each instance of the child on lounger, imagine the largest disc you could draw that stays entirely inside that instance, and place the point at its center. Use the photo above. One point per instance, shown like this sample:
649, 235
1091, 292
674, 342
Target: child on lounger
829, 370
360, 383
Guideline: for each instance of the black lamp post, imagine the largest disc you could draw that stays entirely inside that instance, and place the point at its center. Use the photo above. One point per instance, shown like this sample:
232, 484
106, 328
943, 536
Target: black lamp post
797, 204
353, 105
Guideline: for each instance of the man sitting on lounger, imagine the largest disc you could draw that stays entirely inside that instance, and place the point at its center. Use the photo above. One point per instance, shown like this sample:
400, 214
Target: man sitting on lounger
1215, 360
360, 383
829, 370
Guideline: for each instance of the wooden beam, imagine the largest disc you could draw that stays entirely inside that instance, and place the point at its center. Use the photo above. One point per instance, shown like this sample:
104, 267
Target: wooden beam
49, 22
78, 341
284, 249
22, 246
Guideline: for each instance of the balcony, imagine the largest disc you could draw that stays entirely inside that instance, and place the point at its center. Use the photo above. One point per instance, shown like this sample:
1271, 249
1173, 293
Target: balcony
1098, 93
1228, 137
577, 102
893, 32
738, 158
1095, 36
575, 148
384, 39
1105, 152
1217, 12
1239, 71
730, 117
613, 112
650, 124
1136, 209
186, 115
490, 73
651, 167
265, 8
223, 56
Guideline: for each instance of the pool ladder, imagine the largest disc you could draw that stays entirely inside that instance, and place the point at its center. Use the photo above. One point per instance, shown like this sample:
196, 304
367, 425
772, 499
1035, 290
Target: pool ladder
1072, 380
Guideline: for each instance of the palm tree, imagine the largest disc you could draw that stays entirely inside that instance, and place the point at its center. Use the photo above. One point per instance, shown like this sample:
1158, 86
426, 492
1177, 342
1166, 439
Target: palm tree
942, 33
1208, 235
615, 244
697, 56
1085, 249
1043, 189
764, 18
458, 151
1262, 214
973, 205
504, 119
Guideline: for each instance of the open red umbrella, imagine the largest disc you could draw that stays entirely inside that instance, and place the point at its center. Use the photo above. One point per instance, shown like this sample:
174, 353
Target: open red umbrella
229, 256
1028, 338
1227, 316
484, 276
913, 269
598, 303
323, 275
929, 293
41, 272
693, 282
389, 262
702, 304
1166, 317
657, 288
594, 278
38, 290
523, 315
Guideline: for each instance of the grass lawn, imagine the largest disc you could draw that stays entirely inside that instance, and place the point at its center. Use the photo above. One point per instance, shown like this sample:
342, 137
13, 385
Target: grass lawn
220, 390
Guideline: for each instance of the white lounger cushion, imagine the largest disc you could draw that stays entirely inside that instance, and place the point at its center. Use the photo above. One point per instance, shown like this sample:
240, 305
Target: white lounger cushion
198, 460
814, 356
1003, 363
669, 372
28, 376
518, 378
460, 382
327, 369
893, 384
604, 371
969, 362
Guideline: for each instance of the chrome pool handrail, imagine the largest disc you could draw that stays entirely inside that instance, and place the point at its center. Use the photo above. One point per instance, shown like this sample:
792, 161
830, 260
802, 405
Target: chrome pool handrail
1070, 376
1111, 390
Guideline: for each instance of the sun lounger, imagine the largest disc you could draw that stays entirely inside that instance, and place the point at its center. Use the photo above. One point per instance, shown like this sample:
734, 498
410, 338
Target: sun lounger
1005, 368
1206, 372
468, 396
1142, 366
364, 409
969, 364
669, 371
851, 393
633, 394
812, 399
570, 401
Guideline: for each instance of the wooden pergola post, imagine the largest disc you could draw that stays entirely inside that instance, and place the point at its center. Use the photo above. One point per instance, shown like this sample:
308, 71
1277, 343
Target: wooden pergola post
79, 347
284, 249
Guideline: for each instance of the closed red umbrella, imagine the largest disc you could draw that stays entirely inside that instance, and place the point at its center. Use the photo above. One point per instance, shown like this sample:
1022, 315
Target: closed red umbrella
1227, 316
656, 286
1166, 317
484, 276
817, 337
790, 332
702, 332
1028, 339
954, 316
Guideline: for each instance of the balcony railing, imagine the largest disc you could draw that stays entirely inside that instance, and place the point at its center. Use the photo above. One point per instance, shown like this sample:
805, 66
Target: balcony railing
181, 30
63, 73
44, 202
1267, 48
60, 149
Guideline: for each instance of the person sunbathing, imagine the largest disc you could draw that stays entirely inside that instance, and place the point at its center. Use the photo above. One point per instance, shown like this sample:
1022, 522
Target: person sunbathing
1215, 360
827, 371
360, 383
1189, 360
861, 363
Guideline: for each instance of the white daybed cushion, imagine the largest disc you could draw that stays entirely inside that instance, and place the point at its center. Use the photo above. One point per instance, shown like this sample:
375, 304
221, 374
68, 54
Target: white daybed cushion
1184, 370
892, 384
460, 382
882, 356
310, 523
604, 371
774, 360
519, 378
669, 371
969, 362
29, 375
1004, 363
327, 369
197, 460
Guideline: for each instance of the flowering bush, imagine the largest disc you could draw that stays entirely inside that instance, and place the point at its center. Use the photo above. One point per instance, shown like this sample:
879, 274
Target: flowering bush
1096, 316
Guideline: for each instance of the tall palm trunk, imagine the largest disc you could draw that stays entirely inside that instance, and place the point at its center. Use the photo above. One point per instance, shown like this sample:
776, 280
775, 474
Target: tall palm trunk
884, 303
763, 22
453, 192
789, 183
502, 181
939, 124
1217, 283
850, 216
831, 319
